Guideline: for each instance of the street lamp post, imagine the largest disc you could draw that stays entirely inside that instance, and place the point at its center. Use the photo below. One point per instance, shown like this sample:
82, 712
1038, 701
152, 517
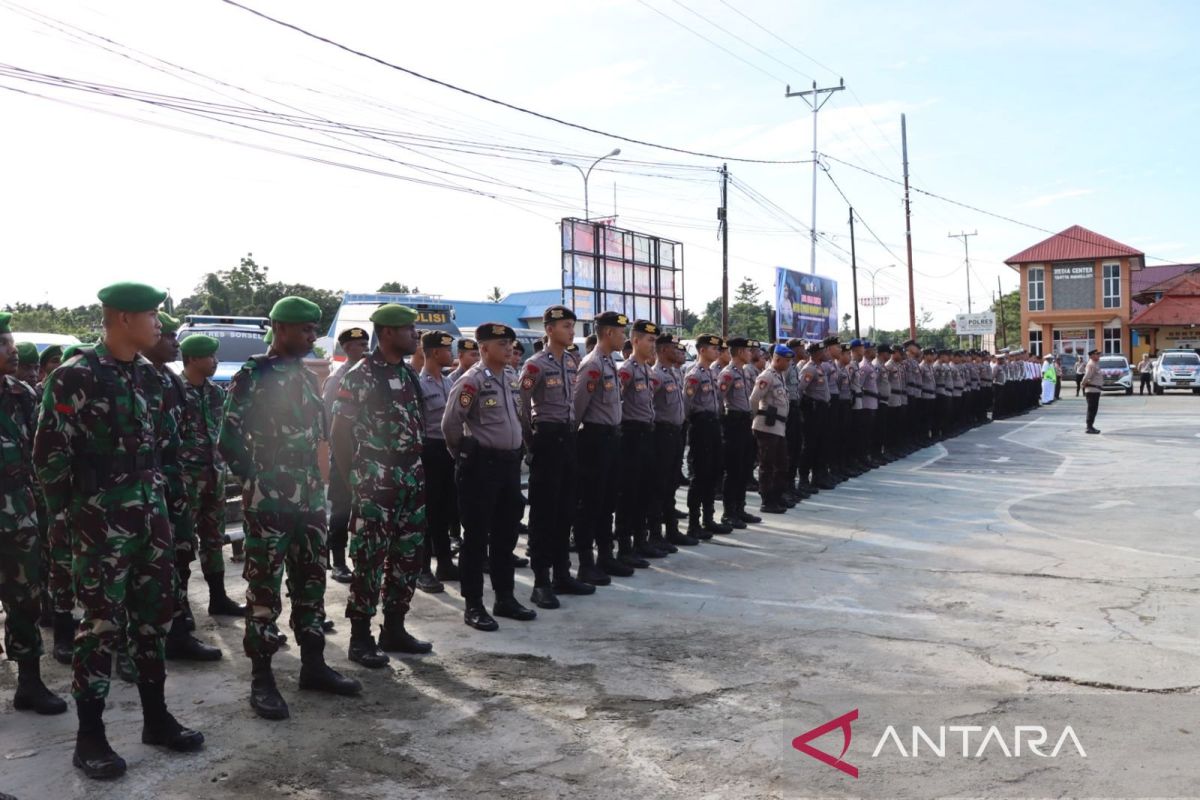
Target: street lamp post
560, 163
874, 300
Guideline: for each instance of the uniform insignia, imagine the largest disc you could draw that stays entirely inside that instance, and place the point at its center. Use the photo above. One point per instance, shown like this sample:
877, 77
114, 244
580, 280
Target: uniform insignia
527, 383
490, 402
690, 391
707, 387
63, 408
465, 399
512, 384
591, 386
670, 387
639, 386
593, 373
531, 369
608, 384
554, 381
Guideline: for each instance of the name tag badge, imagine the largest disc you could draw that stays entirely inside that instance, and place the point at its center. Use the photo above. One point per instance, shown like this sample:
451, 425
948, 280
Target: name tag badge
670, 387
394, 383
490, 402
640, 386
706, 387
608, 384
554, 381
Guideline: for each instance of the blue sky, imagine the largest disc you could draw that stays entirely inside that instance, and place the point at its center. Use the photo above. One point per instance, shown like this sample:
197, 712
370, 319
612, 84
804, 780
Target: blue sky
1053, 114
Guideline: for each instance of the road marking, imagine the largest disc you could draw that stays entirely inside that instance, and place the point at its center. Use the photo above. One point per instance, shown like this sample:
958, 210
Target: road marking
824, 607
1113, 504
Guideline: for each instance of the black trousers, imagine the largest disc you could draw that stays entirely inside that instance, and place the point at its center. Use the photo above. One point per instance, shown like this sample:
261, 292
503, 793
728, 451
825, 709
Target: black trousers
739, 458
668, 450
635, 492
704, 444
339, 508
597, 450
772, 465
1144, 385
441, 500
794, 434
1093, 405
816, 425
862, 425
551, 499
489, 503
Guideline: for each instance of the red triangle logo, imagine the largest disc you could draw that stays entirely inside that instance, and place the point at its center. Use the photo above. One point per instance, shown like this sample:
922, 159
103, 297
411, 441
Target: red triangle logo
801, 743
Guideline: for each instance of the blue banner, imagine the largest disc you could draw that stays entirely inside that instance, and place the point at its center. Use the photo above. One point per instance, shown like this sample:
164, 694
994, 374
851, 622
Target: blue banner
805, 305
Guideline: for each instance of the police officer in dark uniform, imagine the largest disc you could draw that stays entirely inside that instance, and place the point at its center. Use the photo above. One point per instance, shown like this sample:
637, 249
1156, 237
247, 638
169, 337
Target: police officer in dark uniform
549, 429
483, 433
702, 408
814, 388
441, 496
635, 493
668, 444
735, 386
597, 402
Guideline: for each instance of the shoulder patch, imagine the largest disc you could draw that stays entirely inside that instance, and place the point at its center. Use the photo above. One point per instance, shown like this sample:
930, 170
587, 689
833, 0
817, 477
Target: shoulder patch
531, 368
527, 383
466, 398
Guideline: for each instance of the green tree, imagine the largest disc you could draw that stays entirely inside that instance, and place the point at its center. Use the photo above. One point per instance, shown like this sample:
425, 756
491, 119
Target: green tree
747, 316
398, 288
495, 295
1008, 318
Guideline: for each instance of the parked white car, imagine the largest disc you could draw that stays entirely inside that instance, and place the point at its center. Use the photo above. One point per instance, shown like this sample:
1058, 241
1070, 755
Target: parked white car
1177, 369
1118, 375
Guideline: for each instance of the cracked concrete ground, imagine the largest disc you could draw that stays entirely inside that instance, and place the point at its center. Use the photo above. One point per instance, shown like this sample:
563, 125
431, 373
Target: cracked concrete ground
1023, 574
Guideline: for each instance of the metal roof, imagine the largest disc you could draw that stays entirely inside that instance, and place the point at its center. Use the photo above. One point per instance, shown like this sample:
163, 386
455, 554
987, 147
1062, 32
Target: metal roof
1076, 243
1171, 310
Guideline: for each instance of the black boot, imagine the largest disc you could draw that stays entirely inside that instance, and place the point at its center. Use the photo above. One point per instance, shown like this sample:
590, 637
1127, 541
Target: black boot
182, 646
543, 596
749, 518
712, 526
64, 636
363, 649
315, 674
32, 694
159, 727
92, 752
478, 618
265, 698
395, 639
695, 529
427, 582
219, 603
339, 571
507, 606
593, 575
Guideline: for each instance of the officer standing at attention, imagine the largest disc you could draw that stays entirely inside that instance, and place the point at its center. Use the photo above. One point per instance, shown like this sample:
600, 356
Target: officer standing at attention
735, 386
181, 644
27, 363
274, 420
597, 403
814, 388
928, 393
441, 497
468, 356
204, 470
354, 343
867, 425
377, 435
795, 423
883, 416
769, 399
549, 429
20, 553
1093, 386
98, 447
483, 433
702, 408
635, 492
668, 444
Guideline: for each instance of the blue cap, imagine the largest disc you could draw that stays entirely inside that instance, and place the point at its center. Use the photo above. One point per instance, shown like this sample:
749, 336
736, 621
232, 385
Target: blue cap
856, 343
783, 350
868, 344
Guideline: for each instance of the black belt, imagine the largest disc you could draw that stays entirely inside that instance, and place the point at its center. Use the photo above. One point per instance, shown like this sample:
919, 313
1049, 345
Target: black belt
669, 426
871, 394
914, 385
737, 412
600, 426
636, 424
498, 455
703, 416
552, 427
814, 401
794, 403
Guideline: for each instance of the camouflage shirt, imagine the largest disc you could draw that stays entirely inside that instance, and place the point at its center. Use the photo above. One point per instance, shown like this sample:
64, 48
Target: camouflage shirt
175, 408
18, 421
201, 423
382, 401
103, 426
274, 420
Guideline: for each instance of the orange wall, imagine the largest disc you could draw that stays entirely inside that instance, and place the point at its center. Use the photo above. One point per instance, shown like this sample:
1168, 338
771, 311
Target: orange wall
1094, 318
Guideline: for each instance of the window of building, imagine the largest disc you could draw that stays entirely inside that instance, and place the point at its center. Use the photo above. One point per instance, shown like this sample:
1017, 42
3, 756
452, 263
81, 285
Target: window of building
1037, 289
1035, 342
1112, 286
1112, 340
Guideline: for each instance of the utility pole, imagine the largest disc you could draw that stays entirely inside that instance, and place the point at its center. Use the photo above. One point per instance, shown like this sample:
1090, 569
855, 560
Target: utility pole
816, 99
723, 230
854, 275
966, 260
912, 303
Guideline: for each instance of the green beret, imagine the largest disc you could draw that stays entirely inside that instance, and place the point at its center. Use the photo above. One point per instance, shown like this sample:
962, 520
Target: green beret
394, 315
198, 345
270, 337
50, 353
295, 310
169, 323
5, 318
27, 353
71, 351
127, 296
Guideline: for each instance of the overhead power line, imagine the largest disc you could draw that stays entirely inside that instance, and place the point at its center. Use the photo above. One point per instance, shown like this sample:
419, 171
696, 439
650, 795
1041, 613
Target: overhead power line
496, 101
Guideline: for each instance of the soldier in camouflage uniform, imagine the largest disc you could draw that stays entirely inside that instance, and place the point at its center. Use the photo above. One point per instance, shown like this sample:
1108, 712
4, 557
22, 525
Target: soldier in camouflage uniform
98, 447
20, 556
378, 431
27, 363
274, 420
204, 472
181, 645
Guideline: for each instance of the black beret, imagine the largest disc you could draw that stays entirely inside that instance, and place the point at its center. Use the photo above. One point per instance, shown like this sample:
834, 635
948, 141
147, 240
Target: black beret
1093, 352
664, 339
709, 340
518, 347
434, 339
738, 341
645, 326
753, 343
353, 334
794, 344
611, 319
911, 343
815, 347
884, 348
830, 341
944, 352
491, 331
555, 313
467, 344
929, 351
